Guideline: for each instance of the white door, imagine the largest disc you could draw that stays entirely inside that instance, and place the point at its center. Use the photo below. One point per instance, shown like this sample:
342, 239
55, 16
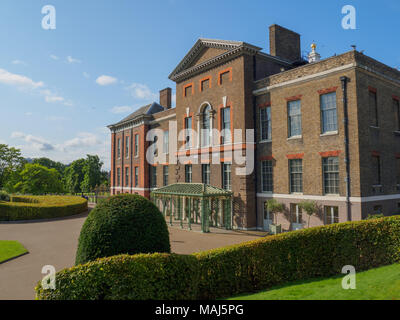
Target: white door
267, 219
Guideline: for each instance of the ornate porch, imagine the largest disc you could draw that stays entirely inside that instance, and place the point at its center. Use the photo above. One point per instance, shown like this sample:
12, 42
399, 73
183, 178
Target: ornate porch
195, 203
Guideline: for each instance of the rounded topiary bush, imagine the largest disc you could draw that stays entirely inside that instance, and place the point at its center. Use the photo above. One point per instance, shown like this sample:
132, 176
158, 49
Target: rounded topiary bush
122, 224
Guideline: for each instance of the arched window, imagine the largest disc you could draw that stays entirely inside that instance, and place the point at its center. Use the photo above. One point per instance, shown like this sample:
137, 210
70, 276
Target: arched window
205, 126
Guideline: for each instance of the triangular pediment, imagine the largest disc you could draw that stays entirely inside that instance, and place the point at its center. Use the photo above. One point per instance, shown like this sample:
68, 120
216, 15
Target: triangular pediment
206, 50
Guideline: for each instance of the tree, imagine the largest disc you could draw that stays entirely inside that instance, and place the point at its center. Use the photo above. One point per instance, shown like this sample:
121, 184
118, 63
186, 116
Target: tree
48, 163
310, 207
11, 161
36, 179
73, 176
92, 173
274, 207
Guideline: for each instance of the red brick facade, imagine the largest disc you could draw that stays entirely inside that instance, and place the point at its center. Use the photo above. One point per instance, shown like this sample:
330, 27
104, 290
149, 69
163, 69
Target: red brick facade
236, 80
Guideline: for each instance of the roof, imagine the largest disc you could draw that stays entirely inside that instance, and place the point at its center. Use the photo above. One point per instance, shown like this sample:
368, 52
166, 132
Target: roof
192, 189
195, 51
149, 109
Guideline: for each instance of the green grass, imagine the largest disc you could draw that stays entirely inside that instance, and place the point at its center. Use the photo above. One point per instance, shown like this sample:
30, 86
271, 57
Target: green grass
376, 284
10, 249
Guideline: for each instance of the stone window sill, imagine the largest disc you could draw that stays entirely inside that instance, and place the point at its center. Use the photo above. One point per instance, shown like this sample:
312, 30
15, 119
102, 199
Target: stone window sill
327, 134
266, 141
295, 138
397, 132
374, 127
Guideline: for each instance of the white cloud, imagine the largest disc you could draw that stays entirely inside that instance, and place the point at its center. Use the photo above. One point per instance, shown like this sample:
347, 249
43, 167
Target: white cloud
122, 109
73, 60
52, 56
86, 75
84, 139
18, 80
52, 99
18, 62
28, 114
106, 80
84, 143
141, 91
36, 142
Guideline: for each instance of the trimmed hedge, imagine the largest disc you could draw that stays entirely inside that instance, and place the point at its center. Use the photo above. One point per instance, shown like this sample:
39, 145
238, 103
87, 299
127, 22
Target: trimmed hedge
123, 224
158, 276
247, 267
41, 207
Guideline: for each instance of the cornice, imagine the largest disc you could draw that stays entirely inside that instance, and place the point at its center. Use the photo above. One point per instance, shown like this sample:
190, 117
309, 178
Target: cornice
211, 63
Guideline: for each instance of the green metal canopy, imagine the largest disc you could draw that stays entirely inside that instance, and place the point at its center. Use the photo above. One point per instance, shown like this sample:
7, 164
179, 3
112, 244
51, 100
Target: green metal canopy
192, 190
191, 202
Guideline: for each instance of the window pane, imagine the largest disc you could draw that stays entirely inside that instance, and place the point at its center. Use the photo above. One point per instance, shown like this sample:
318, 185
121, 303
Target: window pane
206, 126
188, 173
266, 176
206, 173
294, 118
330, 167
331, 215
226, 176
328, 112
166, 142
265, 123
165, 175
376, 167
295, 213
396, 106
373, 108
296, 175
226, 125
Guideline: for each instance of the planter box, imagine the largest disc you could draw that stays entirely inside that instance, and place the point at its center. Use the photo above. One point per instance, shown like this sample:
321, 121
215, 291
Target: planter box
297, 226
275, 229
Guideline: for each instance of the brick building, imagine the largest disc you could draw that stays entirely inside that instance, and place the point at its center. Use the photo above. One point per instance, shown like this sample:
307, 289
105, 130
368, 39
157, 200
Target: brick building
324, 130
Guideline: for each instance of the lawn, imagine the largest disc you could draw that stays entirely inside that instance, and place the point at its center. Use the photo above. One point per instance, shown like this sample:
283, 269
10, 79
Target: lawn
376, 284
10, 249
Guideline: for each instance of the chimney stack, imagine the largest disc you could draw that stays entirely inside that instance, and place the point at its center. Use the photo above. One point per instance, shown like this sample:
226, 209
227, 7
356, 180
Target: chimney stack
166, 98
284, 43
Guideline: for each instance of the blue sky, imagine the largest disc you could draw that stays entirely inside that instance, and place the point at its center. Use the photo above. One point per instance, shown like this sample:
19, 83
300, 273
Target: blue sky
60, 88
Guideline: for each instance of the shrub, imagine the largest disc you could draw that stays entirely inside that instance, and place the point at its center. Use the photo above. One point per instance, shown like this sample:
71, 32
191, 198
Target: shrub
4, 196
123, 224
298, 255
243, 268
140, 277
41, 207
375, 216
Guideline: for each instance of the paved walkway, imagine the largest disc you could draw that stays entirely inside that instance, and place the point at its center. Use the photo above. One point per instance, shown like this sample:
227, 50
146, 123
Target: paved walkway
55, 242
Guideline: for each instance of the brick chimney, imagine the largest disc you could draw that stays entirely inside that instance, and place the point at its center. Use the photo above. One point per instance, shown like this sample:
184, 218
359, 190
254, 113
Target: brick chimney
166, 98
284, 43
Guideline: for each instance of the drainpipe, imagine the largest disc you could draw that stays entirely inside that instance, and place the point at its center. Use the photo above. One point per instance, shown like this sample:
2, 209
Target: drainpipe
345, 81
255, 157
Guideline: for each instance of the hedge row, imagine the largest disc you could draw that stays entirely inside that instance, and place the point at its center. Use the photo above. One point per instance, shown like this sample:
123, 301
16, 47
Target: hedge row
41, 207
140, 277
244, 268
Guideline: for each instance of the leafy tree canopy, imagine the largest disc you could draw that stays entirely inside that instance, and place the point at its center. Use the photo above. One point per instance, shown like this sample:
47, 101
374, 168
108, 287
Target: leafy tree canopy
36, 179
48, 163
10, 161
